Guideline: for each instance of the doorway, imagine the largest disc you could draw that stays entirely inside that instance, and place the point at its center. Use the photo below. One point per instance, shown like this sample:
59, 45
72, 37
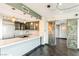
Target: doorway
57, 31
57, 35
61, 34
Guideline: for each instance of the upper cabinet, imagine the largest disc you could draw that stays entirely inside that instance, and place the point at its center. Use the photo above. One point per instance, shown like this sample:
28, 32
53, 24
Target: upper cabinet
27, 26
32, 25
22, 26
17, 26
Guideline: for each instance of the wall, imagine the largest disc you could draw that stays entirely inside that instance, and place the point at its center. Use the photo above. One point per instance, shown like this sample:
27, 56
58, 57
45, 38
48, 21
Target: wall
43, 30
78, 33
0, 27
72, 33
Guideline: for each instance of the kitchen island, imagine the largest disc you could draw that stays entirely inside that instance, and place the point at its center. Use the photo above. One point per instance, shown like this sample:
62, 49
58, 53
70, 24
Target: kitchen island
19, 46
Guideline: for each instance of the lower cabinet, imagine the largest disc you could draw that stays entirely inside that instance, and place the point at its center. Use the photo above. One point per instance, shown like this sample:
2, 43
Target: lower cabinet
20, 48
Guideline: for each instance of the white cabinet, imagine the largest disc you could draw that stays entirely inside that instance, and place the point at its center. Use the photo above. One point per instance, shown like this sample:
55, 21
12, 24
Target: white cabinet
8, 29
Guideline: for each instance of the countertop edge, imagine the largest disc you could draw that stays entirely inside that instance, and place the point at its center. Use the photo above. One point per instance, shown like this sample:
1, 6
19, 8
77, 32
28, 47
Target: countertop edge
19, 41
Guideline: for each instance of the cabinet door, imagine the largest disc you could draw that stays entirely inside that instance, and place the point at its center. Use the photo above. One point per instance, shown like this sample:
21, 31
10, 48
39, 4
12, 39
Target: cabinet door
22, 27
72, 33
36, 25
17, 26
32, 26
27, 26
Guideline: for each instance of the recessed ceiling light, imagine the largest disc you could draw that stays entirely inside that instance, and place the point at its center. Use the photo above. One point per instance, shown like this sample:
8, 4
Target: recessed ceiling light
48, 6
24, 22
13, 8
13, 19
76, 14
24, 13
31, 23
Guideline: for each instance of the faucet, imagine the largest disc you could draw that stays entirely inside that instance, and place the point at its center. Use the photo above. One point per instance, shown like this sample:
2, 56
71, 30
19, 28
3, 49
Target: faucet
27, 32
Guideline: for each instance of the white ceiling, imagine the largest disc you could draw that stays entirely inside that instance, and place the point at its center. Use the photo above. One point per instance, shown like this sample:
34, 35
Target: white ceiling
6, 10
41, 8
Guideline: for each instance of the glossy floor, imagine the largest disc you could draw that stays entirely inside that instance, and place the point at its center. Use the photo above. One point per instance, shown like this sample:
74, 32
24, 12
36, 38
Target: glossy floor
59, 50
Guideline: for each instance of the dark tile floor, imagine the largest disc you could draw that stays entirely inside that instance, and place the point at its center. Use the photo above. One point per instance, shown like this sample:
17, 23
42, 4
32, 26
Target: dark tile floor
59, 50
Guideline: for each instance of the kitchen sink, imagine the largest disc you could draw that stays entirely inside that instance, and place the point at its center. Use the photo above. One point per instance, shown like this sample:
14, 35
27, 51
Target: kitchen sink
24, 36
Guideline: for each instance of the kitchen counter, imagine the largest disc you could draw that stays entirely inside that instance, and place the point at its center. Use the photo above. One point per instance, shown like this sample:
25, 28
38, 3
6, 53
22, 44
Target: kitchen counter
19, 46
9, 42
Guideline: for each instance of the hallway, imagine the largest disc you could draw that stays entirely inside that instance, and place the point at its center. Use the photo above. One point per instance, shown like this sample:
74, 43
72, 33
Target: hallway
59, 50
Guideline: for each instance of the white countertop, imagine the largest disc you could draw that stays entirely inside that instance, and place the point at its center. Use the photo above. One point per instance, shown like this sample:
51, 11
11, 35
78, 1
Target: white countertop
9, 42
